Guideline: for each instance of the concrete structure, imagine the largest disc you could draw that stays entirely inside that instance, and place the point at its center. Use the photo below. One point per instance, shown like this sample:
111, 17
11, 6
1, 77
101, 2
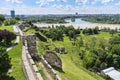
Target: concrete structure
114, 74
12, 13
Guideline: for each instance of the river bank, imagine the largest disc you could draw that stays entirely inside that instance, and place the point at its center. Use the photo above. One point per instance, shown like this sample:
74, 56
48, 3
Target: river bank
80, 23
82, 26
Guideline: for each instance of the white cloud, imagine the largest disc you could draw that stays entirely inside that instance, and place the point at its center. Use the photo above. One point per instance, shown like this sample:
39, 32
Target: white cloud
106, 1
92, 1
117, 4
81, 1
44, 2
102, 1
14, 1
63, 0
68, 9
61, 9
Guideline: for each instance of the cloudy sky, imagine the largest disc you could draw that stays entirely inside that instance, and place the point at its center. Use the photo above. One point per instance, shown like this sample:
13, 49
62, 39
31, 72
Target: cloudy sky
60, 6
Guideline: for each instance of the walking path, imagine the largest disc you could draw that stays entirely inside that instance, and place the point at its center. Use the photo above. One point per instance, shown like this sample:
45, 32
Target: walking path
17, 30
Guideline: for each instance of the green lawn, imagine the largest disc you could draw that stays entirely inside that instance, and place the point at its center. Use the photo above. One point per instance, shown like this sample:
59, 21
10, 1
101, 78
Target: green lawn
15, 55
71, 62
9, 28
72, 65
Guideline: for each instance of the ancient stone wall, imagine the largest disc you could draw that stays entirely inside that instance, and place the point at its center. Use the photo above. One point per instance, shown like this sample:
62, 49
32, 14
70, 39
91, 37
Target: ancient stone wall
29, 67
31, 43
53, 59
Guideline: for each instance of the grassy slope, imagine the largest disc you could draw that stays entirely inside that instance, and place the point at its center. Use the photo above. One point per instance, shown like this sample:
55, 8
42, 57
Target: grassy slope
9, 28
15, 55
72, 66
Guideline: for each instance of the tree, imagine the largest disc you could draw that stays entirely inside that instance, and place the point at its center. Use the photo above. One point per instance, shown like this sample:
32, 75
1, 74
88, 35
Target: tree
114, 40
89, 60
11, 21
103, 66
112, 32
116, 49
6, 37
80, 42
2, 18
5, 64
71, 34
96, 30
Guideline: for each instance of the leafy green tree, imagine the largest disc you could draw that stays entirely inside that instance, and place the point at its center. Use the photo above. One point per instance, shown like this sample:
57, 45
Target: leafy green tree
89, 60
115, 49
103, 66
5, 64
11, 21
96, 30
2, 18
80, 42
114, 40
112, 32
71, 34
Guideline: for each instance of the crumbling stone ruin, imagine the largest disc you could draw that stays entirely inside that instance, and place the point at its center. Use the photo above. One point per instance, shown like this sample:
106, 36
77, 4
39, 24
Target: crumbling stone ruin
31, 43
52, 58
60, 50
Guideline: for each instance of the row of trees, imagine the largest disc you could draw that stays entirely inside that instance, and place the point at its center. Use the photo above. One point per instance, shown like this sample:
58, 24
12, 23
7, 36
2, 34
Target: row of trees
45, 19
57, 33
11, 21
91, 31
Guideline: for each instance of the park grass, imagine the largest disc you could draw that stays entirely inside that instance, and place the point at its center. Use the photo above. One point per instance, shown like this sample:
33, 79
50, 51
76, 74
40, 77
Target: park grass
16, 61
9, 28
28, 30
72, 65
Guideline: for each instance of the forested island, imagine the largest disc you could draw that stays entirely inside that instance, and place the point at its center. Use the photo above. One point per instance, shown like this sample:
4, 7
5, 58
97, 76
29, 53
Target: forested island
103, 19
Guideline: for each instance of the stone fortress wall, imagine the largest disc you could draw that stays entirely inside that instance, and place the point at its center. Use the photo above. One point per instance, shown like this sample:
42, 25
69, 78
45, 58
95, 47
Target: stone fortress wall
31, 44
29, 50
29, 67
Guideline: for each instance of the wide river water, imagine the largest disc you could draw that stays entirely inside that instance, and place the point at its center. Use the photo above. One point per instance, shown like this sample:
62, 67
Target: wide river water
80, 23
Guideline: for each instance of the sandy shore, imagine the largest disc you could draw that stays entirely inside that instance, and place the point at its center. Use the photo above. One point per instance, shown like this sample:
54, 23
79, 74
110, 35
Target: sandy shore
92, 25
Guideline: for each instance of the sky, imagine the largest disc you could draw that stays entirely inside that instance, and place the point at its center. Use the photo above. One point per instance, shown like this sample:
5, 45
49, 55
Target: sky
36, 7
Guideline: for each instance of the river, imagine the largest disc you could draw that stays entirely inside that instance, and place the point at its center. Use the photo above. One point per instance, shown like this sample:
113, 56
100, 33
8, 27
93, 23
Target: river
80, 23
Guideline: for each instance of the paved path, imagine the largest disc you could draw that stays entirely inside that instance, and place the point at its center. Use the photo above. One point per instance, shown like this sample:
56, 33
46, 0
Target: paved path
16, 29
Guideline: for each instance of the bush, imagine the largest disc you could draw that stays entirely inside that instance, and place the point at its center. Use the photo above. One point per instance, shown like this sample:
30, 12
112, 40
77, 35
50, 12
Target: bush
6, 36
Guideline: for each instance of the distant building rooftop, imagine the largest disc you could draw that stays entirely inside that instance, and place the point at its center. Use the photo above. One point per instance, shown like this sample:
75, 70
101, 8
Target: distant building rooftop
114, 74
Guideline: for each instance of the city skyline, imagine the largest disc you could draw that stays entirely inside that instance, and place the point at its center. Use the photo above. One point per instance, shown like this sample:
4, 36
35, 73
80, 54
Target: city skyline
60, 6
